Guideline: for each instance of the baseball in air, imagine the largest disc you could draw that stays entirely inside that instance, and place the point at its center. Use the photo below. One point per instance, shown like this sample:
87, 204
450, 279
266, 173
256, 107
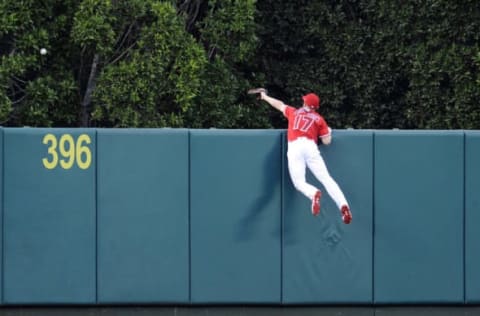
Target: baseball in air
43, 51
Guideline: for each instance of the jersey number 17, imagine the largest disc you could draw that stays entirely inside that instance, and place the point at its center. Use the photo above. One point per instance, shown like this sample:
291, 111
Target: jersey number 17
302, 123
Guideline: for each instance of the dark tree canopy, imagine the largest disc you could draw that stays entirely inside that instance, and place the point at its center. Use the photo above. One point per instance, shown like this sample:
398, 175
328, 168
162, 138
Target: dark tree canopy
188, 63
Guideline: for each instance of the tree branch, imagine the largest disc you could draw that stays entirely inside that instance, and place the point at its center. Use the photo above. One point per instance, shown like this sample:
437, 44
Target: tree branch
122, 54
87, 99
126, 34
192, 9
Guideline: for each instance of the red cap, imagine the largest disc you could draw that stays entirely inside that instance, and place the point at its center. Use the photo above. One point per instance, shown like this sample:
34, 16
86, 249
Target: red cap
311, 100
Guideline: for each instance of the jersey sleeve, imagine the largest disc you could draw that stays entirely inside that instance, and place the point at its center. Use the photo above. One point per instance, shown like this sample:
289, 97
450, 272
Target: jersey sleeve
323, 129
289, 110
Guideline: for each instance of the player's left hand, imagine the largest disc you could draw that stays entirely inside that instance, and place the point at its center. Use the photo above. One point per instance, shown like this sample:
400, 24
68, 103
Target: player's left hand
258, 92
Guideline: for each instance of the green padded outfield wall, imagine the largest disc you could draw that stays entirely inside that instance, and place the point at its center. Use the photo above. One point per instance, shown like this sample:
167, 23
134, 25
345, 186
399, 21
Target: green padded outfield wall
143, 230
49, 216
178, 216
324, 260
235, 220
419, 202
472, 216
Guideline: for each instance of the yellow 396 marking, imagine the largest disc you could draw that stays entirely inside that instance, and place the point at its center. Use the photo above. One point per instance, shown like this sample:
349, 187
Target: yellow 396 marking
67, 151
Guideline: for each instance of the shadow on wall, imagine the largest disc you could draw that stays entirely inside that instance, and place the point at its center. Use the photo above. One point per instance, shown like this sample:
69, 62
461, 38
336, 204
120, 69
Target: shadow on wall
249, 225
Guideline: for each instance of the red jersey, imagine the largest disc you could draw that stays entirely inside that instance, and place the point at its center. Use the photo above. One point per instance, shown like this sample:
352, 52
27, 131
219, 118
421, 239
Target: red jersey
304, 123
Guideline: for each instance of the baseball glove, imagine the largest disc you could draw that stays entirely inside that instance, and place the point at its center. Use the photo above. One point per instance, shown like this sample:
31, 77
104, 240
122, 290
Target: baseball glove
257, 91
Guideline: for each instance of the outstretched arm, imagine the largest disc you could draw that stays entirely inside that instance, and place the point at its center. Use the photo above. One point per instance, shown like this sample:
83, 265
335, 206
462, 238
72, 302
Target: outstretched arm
277, 104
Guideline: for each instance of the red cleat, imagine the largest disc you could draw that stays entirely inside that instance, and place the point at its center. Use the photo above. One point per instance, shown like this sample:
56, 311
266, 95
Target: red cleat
346, 215
316, 203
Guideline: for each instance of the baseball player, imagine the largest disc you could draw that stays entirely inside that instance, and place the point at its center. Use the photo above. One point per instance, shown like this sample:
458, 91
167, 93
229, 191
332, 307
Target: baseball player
305, 126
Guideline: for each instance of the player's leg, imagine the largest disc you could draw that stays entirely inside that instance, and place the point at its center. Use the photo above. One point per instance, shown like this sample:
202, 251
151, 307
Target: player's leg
319, 169
297, 169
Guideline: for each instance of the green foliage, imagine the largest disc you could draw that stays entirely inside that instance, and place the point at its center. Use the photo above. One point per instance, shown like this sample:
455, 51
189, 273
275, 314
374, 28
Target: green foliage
477, 63
442, 68
376, 64
228, 34
158, 82
173, 79
443, 92
188, 63
49, 102
93, 26
219, 105
5, 107
229, 29
34, 91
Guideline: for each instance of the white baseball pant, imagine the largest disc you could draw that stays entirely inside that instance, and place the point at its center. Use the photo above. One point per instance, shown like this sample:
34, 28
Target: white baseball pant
303, 153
